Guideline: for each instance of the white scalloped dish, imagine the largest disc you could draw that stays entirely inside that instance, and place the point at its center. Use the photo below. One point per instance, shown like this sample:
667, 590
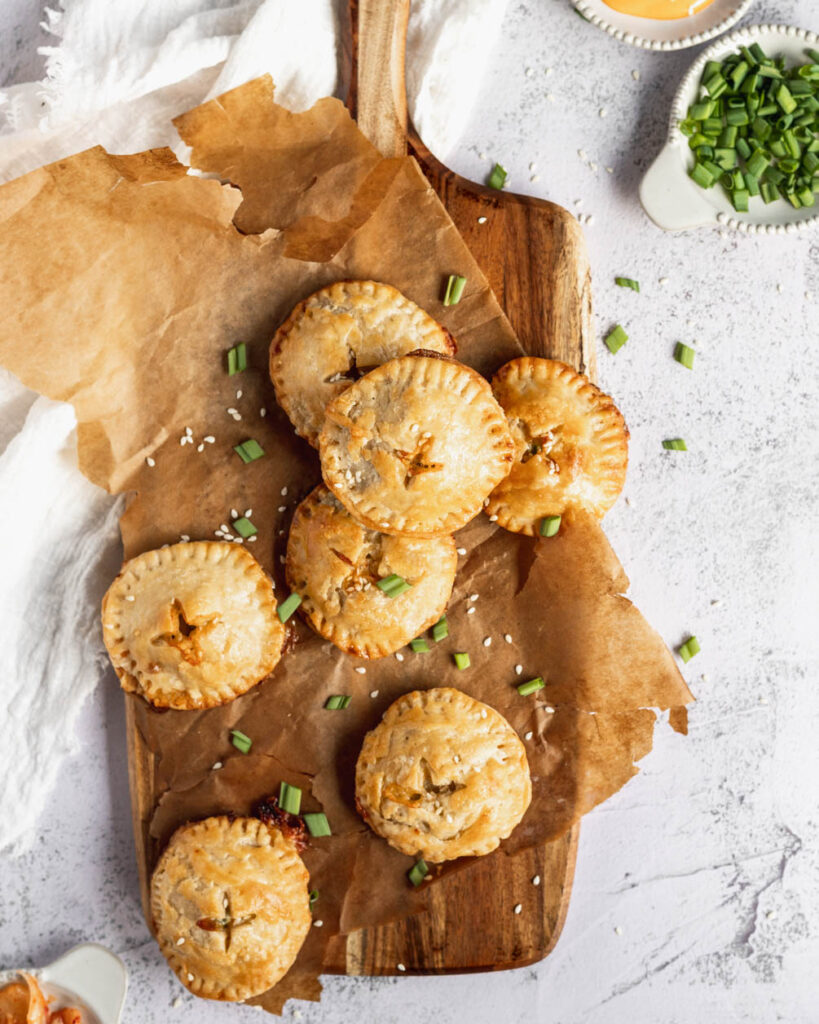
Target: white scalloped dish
669, 196
88, 977
662, 34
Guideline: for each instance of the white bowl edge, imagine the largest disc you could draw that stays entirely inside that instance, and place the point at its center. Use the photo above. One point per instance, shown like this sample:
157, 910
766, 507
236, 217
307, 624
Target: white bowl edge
590, 12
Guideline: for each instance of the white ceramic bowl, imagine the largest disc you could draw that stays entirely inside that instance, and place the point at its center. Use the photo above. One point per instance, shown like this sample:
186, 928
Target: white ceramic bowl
673, 200
654, 34
89, 977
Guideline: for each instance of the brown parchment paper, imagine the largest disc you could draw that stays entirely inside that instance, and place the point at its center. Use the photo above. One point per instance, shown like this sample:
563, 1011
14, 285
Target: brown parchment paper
124, 281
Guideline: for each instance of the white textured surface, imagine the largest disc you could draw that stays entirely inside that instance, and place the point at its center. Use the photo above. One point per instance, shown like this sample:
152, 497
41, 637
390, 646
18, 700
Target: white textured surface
696, 894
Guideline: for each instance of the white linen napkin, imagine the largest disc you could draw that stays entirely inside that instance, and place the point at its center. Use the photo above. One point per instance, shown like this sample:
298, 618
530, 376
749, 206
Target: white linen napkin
117, 74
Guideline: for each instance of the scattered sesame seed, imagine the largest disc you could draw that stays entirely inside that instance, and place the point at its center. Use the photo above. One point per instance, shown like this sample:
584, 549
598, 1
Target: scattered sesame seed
190, 976
282, 559
177, 1002
549, 71
529, 72
400, 967
150, 462
582, 154
130, 597
373, 694
470, 611
549, 709
550, 97
399, 656
188, 431
536, 880
263, 412
716, 603
248, 511
609, 170
518, 907
239, 394
318, 924
771, 914
252, 540
481, 156
763, 700
507, 637
493, 519
528, 736
723, 234
487, 641
635, 74
361, 670
457, 758
618, 930
663, 281
284, 492
534, 177
602, 112
578, 202
184, 537
181, 940
461, 551
209, 439
473, 597
200, 447
183, 440
704, 677
223, 528
216, 766
225, 902
518, 669
481, 220
532, 166
780, 288
282, 508
809, 296
592, 165
234, 514
483, 713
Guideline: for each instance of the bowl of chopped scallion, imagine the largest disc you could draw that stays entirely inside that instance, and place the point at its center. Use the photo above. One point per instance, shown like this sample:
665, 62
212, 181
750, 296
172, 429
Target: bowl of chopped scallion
743, 141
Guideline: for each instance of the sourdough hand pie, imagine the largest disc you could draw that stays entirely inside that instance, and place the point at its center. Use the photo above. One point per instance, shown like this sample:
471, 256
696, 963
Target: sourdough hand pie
335, 564
571, 444
192, 625
442, 776
415, 446
230, 906
335, 336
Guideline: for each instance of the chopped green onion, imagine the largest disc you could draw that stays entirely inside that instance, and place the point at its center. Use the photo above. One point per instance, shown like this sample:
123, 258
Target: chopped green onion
393, 585
687, 650
675, 444
497, 179
440, 631
454, 290
615, 339
549, 525
628, 282
532, 686
419, 645
317, 824
249, 451
237, 359
244, 527
462, 660
239, 740
314, 895
289, 798
338, 701
418, 872
288, 606
684, 355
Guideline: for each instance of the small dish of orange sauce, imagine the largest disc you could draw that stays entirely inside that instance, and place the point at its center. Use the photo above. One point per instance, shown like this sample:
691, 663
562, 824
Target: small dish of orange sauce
660, 10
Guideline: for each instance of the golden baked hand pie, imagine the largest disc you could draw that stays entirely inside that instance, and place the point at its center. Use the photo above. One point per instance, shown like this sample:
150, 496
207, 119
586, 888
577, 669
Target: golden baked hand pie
442, 776
571, 444
192, 625
230, 906
415, 446
335, 336
335, 563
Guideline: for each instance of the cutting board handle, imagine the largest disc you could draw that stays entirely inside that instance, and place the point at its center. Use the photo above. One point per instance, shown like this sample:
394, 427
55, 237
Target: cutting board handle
378, 93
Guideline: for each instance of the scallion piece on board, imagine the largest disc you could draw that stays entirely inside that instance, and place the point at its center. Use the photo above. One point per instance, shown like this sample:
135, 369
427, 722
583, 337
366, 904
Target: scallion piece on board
462, 660
237, 359
675, 444
684, 355
288, 606
239, 740
549, 525
337, 702
317, 824
289, 798
419, 645
440, 631
244, 527
249, 451
454, 290
532, 686
418, 872
689, 649
628, 282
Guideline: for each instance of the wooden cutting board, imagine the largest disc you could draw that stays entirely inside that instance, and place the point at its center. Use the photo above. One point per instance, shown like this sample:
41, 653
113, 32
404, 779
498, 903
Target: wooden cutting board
534, 256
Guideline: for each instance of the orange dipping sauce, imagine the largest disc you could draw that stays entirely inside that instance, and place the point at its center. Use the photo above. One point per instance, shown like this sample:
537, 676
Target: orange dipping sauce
22, 1002
661, 10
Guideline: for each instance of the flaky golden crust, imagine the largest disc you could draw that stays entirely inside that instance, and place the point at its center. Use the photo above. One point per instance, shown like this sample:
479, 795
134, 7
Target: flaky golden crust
192, 625
230, 906
415, 446
334, 563
571, 444
333, 337
442, 776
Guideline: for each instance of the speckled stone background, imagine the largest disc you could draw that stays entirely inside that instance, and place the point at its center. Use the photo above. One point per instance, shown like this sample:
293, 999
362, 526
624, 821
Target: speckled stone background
697, 888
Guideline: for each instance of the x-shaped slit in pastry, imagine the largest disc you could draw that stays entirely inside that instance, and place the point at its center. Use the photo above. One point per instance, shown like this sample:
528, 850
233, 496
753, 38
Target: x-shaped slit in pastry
418, 462
358, 578
226, 924
183, 638
432, 787
539, 444
353, 372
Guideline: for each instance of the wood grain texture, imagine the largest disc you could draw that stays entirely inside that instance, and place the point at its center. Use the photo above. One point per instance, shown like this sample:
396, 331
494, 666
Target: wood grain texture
378, 83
